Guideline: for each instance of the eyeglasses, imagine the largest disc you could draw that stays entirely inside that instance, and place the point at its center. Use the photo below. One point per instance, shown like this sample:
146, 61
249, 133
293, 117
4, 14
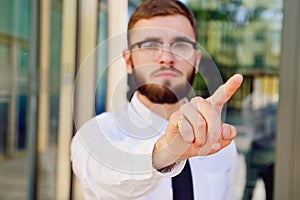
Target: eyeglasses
180, 49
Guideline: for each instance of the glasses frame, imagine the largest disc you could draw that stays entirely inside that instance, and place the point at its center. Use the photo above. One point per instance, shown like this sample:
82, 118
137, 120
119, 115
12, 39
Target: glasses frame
161, 48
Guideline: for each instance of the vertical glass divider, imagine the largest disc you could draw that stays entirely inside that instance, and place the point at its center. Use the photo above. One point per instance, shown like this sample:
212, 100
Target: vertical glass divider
32, 111
65, 125
117, 25
84, 85
44, 61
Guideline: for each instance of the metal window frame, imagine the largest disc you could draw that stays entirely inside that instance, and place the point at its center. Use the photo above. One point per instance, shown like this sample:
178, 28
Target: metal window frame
287, 167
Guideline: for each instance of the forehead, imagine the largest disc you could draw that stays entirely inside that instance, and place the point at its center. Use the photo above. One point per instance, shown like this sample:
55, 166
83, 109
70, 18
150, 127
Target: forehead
165, 27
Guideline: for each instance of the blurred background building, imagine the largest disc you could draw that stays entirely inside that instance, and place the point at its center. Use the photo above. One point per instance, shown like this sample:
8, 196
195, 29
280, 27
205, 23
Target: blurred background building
47, 93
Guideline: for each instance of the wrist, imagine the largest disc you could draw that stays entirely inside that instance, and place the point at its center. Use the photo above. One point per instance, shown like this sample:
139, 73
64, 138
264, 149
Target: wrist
163, 156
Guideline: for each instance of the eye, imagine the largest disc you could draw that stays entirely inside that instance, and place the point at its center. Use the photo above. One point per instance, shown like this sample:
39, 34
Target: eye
150, 45
183, 49
182, 45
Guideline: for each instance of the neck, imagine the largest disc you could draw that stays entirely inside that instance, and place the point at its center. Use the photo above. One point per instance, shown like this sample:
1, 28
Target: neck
165, 110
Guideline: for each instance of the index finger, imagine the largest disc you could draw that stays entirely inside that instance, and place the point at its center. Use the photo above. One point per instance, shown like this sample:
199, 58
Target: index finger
225, 91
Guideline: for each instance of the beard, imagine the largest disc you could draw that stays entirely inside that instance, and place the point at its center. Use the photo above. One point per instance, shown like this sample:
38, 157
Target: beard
163, 92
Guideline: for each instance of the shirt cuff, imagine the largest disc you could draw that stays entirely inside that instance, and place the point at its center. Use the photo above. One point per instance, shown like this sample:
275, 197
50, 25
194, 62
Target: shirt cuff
172, 170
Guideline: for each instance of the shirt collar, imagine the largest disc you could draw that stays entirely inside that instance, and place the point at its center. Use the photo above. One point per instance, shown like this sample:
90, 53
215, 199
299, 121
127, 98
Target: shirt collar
144, 111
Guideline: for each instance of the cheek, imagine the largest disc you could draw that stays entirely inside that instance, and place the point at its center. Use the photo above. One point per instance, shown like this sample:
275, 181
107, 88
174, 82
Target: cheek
143, 66
134, 59
142, 71
186, 67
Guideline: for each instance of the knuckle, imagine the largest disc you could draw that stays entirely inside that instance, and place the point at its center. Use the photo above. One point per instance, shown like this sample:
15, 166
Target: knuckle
201, 125
185, 107
185, 127
201, 135
200, 140
195, 100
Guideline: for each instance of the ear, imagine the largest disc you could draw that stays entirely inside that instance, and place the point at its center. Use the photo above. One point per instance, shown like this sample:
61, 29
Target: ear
198, 59
127, 59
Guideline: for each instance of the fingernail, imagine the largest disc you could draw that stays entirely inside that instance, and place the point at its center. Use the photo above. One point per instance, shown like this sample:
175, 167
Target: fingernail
216, 146
225, 131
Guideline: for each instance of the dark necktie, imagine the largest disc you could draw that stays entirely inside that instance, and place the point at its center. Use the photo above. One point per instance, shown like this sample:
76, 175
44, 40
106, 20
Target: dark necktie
182, 184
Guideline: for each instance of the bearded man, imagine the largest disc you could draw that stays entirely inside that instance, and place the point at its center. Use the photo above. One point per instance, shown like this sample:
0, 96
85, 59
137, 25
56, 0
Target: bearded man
160, 145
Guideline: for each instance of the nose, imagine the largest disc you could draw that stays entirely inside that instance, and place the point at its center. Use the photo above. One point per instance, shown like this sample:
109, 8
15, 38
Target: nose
166, 57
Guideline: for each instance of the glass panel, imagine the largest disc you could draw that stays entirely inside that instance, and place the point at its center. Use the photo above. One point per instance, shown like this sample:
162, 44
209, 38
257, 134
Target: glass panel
14, 64
4, 87
15, 93
244, 36
101, 57
23, 89
47, 158
55, 63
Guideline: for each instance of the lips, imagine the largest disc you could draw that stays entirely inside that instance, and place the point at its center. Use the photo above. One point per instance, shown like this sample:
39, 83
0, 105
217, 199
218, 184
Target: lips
165, 73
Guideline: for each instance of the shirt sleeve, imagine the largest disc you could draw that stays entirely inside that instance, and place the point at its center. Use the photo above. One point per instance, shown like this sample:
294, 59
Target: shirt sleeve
231, 194
103, 180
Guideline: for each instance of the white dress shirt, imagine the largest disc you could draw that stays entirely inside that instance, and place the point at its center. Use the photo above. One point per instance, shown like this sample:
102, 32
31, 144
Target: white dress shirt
112, 157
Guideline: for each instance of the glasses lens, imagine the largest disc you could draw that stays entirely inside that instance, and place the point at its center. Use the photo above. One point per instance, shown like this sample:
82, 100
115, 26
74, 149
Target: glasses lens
151, 45
151, 48
182, 49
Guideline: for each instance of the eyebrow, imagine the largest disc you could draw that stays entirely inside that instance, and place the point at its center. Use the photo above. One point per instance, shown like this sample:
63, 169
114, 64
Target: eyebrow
158, 39
184, 39
152, 39
176, 39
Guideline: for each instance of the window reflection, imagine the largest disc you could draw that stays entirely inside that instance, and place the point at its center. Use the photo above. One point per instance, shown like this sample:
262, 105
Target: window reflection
14, 82
241, 36
244, 37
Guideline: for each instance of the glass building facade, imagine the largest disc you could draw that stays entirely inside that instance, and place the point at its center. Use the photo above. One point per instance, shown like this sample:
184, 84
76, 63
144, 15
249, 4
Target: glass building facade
43, 44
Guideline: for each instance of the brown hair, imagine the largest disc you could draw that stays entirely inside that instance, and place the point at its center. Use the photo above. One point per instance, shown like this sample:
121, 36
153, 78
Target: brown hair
153, 8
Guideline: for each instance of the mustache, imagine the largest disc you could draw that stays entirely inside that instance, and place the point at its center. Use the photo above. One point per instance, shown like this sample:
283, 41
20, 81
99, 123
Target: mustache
167, 68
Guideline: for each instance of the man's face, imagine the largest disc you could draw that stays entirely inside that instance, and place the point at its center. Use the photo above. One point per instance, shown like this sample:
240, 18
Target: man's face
163, 58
